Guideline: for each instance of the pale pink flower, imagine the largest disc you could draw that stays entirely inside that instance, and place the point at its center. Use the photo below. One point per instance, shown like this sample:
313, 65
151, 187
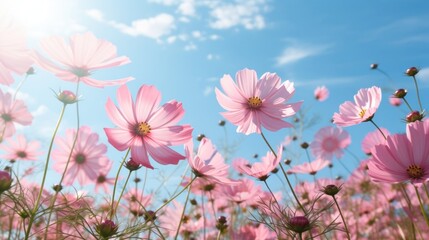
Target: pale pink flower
87, 160
321, 93
261, 170
394, 101
12, 111
79, 59
310, 167
14, 55
253, 104
373, 138
403, 157
245, 193
250, 232
208, 163
146, 127
102, 180
363, 109
172, 217
329, 142
137, 202
21, 149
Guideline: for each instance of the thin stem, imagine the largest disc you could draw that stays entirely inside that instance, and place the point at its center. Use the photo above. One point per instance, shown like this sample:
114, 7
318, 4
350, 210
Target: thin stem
45, 171
284, 173
175, 196
112, 210
184, 208
408, 105
122, 191
353, 155
379, 129
342, 217
272, 194
426, 189
418, 94
422, 208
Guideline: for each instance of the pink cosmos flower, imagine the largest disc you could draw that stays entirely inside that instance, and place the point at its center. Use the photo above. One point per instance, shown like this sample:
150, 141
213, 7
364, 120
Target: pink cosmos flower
330, 141
261, 170
245, 193
137, 202
80, 58
310, 167
14, 55
321, 93
363, 109
403, 156
146, 127
372, 139
208, 163
21, 149
102, 180
88, 158
12, 112
253, 104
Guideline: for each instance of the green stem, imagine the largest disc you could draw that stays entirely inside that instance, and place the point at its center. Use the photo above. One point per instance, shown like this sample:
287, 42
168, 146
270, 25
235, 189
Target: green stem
122, 191
408, 105
422, 208
272, 194
175, 196
45, 171
112, 210
284, 173
379, 129
342, 217
418, 94
184, 208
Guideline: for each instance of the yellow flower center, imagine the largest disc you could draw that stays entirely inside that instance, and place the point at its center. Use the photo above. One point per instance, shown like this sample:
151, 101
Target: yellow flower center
362, 112
415, 171
143, 129
254, 102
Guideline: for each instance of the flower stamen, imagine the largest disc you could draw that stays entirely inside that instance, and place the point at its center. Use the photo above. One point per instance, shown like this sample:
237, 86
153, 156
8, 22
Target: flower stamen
142, 129
254, 102
415, 172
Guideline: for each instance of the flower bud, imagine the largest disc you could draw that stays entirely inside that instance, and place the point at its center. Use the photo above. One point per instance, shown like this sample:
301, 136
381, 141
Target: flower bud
200, 137
30, 71
67, 97
304, 145
221, 223
221, 123
414, 116
374, 66
400, 93
5, 181
149, 216
106, 229
412, 71
132, 166
299, 224
331, 190
57, 188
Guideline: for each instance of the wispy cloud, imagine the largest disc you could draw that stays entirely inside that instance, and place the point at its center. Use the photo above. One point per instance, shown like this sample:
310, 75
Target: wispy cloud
190, 47
424, 74
154, 27
295, 53
208, 90
330, 81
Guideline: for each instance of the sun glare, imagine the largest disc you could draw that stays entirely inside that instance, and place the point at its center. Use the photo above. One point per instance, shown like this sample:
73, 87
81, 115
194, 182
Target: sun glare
34, 15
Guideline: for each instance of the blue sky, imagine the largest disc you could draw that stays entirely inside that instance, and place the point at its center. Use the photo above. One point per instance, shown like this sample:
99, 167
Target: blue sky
184, 47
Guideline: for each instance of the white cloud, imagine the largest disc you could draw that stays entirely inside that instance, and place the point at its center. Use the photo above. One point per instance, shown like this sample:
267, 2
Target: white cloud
242, 13
190, 47
165, 2
212, 57
171, 39
40, 111
214, 37
208, 90
154, 27
187, 8
423, 74
296, 53
95, 14
197, 34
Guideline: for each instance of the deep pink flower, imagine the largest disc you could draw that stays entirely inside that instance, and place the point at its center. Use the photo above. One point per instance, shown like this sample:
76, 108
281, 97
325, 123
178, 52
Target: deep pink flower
146, 127
261, 170
12, 112
321, 93
80, 58
374, 138
208, 163
14, 55
310, 167
363, 109
21, 149
403, 157
253, 104
87, 160
330, 141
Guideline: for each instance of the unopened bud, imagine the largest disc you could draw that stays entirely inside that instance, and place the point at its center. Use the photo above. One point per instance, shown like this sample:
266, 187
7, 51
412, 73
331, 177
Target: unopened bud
67, 97
5, 181
299, 224
412, 71
106, 229
400, 93
374, 66
414, 116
